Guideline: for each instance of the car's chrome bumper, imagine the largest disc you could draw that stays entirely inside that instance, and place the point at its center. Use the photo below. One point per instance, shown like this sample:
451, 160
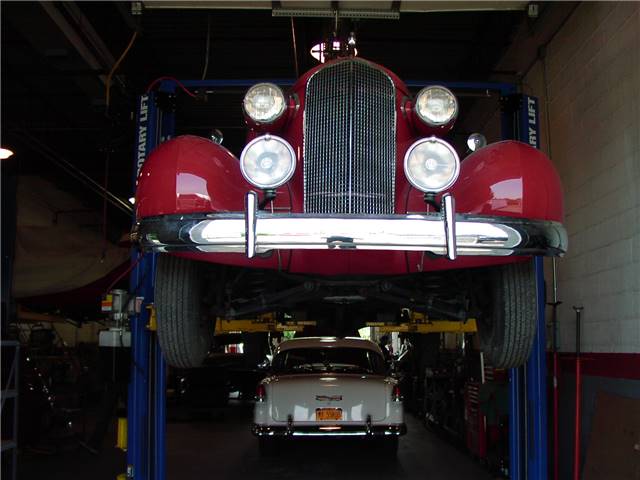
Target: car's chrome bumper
329, 431
445, 233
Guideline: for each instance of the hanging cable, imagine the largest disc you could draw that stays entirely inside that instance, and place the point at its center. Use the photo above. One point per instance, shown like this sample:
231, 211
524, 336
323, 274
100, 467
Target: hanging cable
104, 204
115, 67
206, 54
176, 81
46, 152
295, 47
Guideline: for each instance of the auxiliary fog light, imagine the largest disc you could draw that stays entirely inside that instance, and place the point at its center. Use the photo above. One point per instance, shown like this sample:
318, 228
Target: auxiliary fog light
431, 165
268, 162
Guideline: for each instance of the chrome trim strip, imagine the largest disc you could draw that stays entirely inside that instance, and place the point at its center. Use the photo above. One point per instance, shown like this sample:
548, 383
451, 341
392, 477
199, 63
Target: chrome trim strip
474, 234
348, 430
444, 233
449, 209
251, 221
281, 231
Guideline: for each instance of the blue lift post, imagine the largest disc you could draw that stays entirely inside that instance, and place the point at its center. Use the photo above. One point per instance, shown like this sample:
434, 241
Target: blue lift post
146, 454
528, 384
146, 400
536, 367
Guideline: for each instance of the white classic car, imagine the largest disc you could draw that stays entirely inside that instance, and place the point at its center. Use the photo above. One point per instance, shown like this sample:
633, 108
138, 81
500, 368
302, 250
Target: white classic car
327, 386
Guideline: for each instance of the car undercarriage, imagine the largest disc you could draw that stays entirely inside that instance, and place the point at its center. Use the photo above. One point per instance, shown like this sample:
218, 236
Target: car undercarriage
240, 293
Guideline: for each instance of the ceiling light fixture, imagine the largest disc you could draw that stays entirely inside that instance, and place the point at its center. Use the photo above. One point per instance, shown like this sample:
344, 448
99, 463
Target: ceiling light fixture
5, 153
318, 50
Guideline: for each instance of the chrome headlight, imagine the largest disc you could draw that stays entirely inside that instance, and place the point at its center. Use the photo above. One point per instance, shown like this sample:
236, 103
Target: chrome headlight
267, 161
436, 105
431, 165
264, 103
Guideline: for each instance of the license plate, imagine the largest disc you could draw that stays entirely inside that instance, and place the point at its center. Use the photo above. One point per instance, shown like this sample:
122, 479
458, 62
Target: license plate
324, 414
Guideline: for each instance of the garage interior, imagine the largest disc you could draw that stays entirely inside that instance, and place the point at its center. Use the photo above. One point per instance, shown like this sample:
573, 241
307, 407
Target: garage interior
78, 78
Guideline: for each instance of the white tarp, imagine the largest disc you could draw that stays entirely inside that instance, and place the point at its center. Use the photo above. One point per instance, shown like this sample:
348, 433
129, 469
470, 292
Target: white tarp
59, 244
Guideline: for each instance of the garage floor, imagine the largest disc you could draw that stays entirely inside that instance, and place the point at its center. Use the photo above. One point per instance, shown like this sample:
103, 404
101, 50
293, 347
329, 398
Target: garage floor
224, 449
220, 446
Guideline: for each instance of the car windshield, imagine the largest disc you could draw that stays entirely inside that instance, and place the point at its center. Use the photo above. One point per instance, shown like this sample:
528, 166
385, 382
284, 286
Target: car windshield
323, 359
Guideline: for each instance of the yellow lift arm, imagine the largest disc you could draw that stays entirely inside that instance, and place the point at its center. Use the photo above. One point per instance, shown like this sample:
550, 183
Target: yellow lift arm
264, 323
420, 323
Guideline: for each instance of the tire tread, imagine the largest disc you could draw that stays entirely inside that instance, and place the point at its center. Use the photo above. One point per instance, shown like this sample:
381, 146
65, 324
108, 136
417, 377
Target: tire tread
183, 336
510, 339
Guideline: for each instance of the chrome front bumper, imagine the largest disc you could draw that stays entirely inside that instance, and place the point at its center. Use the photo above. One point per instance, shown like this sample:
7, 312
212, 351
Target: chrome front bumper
330, 431
445, 233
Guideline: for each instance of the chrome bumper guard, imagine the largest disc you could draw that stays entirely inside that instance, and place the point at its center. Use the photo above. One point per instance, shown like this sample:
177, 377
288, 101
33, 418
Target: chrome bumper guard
447, 233
329, 431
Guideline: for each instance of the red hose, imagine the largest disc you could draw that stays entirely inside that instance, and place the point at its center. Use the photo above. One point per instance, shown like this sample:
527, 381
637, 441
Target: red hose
176, 81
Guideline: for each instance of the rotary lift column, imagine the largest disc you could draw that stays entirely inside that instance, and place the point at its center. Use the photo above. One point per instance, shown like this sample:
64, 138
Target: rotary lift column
528, 384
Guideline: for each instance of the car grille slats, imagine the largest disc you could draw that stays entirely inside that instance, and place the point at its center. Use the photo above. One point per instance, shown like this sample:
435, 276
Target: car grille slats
349, 140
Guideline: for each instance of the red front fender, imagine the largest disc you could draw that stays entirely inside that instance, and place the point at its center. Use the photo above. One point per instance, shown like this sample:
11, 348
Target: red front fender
509, 179
506, 179
190, 174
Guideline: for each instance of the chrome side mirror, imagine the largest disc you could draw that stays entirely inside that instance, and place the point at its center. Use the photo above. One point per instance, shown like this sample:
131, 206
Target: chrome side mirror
476, 141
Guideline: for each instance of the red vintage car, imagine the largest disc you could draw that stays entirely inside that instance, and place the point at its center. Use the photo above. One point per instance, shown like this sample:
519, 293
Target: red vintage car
346, 206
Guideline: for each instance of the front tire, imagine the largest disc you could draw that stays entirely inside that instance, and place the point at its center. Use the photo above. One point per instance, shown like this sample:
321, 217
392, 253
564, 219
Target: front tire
184, 332
507, 333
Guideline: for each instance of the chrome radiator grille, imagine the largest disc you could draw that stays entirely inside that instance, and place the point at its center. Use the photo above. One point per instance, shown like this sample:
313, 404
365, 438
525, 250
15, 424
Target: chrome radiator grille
349, 140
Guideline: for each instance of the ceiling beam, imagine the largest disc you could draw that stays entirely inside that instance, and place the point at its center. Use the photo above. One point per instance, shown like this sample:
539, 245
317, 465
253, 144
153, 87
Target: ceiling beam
84, 26
73, 36
344, 6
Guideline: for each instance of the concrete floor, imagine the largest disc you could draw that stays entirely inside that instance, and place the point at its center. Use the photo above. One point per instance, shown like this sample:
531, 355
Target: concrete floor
220, 447
225, 449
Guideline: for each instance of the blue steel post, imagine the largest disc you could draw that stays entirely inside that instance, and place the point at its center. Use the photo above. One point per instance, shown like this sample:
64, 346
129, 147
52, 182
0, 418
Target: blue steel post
138, 391
512, 128
528, 439
141, 285
537, 389
536, 368
166, 131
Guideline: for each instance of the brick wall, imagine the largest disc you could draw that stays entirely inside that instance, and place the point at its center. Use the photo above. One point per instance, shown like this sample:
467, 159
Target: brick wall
593, 85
